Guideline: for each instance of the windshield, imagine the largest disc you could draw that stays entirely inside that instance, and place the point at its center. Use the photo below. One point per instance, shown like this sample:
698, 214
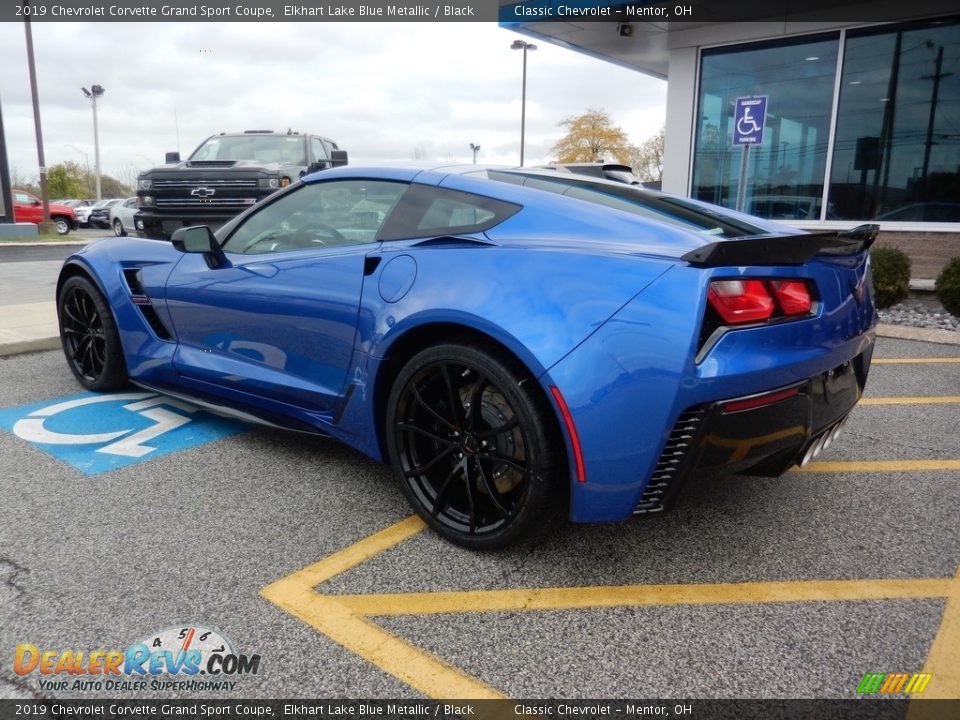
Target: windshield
288, 149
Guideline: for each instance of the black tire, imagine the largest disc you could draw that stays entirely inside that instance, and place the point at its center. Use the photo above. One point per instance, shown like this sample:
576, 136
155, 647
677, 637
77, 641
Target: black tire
118, 228
89, 336
63, 225
481, 478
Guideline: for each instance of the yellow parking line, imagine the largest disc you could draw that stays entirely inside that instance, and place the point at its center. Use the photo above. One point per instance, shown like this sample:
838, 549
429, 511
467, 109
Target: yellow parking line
944, 657
359, 552
406, 662
345, 619
912, 400
879, 466
905, 361
644, 595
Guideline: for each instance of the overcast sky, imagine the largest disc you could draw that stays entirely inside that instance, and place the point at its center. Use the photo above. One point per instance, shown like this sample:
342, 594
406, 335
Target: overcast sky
378, 90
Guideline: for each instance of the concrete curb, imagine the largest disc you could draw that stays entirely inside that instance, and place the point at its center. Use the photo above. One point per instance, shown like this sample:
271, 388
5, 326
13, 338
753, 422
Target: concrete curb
21, 347
51, 243
904, 332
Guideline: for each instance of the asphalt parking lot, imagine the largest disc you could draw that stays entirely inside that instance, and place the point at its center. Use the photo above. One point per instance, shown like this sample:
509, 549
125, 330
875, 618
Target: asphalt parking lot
304, 552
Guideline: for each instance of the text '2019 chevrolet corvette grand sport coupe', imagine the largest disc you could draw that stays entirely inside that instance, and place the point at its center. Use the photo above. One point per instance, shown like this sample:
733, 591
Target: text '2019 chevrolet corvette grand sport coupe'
507, 340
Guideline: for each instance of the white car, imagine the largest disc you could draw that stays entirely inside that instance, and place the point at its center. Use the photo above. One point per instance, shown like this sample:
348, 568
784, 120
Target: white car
83, 212
121, 216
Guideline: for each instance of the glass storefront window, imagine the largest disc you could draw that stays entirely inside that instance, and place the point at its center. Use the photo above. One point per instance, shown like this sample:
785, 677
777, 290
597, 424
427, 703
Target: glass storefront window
785, 173
897, 148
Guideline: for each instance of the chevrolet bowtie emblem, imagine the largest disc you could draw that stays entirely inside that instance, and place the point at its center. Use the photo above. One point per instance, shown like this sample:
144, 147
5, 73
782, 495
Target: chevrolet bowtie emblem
202, 192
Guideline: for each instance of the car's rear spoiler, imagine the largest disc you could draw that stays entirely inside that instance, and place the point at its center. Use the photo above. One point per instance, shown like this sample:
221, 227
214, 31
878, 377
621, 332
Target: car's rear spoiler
783, 249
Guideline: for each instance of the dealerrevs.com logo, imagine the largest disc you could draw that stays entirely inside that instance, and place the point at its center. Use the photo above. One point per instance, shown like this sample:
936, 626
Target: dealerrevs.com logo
188, 658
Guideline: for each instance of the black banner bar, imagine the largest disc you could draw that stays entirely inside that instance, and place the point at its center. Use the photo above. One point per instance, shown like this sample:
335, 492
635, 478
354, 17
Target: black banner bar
861, 709
508, 12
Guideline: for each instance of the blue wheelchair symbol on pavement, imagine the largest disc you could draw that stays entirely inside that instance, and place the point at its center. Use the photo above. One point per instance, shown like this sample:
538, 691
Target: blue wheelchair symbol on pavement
97, 433
748, 119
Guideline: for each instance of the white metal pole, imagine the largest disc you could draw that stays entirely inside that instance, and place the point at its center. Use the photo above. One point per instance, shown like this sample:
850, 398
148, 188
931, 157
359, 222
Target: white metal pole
96, 145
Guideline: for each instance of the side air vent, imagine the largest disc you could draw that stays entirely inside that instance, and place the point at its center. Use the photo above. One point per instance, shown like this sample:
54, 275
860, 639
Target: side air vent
132, 276
156, 324
139, 297
671, 468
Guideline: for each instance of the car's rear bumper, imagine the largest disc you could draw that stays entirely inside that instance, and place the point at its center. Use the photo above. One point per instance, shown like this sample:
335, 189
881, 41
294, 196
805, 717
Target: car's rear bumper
761, 434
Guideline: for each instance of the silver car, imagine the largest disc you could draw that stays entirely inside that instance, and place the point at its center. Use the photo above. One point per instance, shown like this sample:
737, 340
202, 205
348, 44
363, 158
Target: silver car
121, 216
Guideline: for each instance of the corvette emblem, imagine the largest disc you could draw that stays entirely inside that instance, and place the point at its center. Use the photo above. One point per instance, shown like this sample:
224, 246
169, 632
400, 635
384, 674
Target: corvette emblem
202, 192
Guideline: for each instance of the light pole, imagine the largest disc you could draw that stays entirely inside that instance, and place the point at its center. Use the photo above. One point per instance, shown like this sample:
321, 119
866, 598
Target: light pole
521, 45
93, 93
476, 149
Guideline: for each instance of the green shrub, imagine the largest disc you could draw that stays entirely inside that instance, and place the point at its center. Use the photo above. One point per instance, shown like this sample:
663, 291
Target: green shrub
891, 275
948, 287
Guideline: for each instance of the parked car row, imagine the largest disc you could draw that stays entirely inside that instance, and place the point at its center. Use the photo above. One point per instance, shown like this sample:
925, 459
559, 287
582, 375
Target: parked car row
28, 208
115, 213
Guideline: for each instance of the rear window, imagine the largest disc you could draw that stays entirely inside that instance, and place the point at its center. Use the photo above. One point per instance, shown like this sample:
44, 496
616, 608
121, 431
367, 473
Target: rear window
636, 201
427, 211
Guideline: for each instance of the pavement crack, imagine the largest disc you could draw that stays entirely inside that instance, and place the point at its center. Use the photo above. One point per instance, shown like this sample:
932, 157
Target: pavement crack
19, 684
10, 573
893, 443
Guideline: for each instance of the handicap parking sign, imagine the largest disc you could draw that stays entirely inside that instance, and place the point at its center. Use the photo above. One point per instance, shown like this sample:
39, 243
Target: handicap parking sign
749, 115
99, 432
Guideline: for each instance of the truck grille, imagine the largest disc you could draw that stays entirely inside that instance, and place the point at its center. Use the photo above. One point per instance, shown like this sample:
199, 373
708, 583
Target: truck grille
668, 474
195, 203
196, 182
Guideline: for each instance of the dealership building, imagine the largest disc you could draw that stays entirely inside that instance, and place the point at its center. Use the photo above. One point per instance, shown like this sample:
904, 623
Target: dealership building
861, 121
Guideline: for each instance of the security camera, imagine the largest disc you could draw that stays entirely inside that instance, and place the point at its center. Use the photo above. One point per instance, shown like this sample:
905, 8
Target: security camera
625, 30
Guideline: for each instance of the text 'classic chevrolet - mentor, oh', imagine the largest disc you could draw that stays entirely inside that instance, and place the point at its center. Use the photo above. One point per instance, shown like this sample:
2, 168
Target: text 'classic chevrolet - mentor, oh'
508, 340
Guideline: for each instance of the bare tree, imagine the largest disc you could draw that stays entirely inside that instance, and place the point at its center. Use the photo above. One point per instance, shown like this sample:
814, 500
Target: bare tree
647, 159
22, 182
419, 151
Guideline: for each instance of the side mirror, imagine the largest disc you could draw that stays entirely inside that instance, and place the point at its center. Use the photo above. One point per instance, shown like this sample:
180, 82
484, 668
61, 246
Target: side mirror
199, 239
172, 157
338, 157
34, 201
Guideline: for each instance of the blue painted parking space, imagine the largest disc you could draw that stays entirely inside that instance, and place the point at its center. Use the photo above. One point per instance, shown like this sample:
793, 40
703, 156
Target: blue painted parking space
96, 433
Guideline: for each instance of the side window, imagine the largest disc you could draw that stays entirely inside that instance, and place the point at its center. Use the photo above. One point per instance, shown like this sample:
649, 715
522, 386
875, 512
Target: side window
131, 203
317, 215
21, 198
428, 211
319, 151
329, 146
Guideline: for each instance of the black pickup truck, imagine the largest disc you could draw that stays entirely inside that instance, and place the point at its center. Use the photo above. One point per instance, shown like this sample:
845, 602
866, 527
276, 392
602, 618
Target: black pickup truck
228, 173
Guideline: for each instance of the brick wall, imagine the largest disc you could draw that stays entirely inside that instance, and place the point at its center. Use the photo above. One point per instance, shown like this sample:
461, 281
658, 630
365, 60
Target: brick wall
928, 251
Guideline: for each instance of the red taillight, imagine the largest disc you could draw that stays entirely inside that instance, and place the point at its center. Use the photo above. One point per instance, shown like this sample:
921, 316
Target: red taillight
793, 296
741, 301
760, 400
749, 301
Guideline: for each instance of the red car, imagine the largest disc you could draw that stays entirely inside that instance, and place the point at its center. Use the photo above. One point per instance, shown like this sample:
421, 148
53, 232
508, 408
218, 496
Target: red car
29, 208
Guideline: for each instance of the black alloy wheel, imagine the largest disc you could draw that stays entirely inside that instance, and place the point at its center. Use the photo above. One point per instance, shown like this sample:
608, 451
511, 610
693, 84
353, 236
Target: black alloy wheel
473, 445
89, 336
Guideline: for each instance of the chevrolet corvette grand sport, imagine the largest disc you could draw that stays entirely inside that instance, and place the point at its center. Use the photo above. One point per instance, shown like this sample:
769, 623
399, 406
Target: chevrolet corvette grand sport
510, 341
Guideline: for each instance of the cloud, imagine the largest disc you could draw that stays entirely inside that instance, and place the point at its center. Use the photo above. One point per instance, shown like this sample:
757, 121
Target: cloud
380, 90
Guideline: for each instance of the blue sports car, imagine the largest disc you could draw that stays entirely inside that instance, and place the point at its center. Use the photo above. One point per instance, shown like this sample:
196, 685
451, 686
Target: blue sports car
510, 341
